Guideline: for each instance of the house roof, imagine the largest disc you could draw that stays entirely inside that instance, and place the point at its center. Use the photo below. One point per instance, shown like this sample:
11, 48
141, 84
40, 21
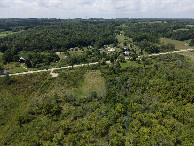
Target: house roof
111, 49
21, 58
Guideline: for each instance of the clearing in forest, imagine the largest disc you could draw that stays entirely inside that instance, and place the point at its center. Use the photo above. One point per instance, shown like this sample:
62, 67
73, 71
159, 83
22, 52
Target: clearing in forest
93, 82
178, 44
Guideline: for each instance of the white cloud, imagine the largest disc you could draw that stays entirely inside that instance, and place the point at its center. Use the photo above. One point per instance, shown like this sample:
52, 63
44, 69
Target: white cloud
96, 8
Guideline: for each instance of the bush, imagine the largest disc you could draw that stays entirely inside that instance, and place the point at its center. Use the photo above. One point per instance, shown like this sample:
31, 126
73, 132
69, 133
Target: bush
7, 80
51, 109
192, 42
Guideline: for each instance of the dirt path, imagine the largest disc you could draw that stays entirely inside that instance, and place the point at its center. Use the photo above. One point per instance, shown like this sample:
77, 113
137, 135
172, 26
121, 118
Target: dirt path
54, 75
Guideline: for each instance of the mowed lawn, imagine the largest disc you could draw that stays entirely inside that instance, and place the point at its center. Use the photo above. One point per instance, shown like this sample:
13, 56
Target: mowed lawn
178, 44
17, 70
14, 67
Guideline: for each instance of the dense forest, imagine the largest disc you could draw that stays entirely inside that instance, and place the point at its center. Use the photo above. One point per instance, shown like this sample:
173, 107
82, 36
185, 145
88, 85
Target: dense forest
60, 35
131, 97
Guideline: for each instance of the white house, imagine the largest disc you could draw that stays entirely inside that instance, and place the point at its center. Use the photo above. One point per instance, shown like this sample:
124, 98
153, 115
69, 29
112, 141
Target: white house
21, 60
89, 47
127, 53
72, 49
111, 50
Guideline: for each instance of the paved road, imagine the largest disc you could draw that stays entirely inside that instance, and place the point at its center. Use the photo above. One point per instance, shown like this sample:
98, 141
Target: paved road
52, 69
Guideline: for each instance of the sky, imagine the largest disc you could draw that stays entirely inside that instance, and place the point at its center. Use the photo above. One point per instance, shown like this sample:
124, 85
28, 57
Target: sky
96, 9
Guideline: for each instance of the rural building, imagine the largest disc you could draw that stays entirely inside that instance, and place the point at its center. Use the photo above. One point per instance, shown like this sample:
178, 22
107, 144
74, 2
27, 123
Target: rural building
127, 53
89, 47
59, 53
111, 50
72, 49
22, 60
126, 48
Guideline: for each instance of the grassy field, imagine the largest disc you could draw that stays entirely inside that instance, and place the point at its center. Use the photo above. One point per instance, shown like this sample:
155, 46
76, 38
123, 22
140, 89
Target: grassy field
189, 54
178, 44
6, 33
190, 25
118, 50
17, 70
122, 38
61, 56
32, 69
131, 63
12, 65
187, 41
15, 67
92, 82
183, 29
